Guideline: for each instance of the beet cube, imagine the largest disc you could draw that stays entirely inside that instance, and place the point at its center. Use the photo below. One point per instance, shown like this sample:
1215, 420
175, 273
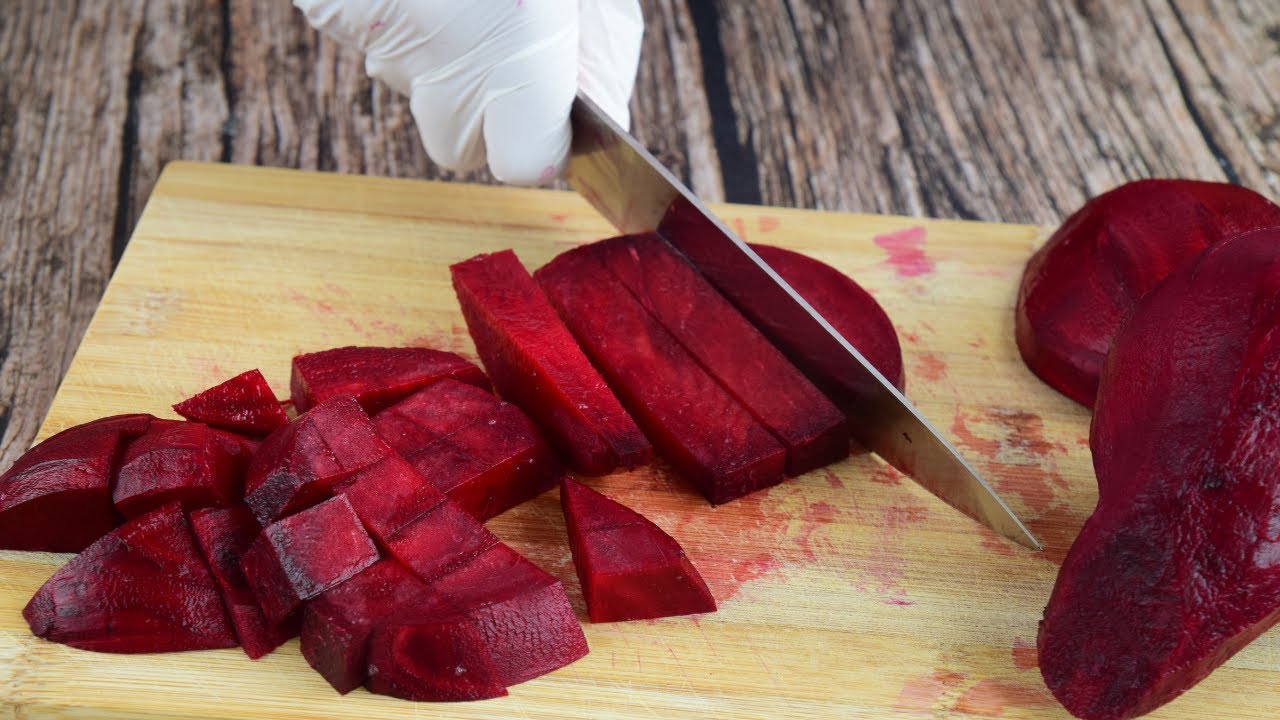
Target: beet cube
301, 556
433, 413
444, 660
175, 461
141, 588
535, 362
57, 497
243, 404
440, 540
388, 495
376, 376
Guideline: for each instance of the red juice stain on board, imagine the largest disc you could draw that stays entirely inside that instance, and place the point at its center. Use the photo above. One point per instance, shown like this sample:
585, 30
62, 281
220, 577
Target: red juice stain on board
1024, 655
993, 542
990, 698
930, 367
906, 252
768, 224
924, 694
1056, 529
1018, 456
887, 475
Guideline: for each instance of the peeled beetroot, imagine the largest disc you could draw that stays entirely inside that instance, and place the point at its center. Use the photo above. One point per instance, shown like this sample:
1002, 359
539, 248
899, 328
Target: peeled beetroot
376, 376
432, 413
441, 660
181, 462
388, 495
243, 404
440, 540
1176, 569
1078, 288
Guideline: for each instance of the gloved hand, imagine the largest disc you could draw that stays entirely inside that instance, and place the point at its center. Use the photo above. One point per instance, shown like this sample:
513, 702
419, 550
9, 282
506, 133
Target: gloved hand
494, 79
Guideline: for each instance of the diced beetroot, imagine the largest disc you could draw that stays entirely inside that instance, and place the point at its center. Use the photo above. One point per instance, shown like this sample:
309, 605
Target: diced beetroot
629, 568
432, 413
1175, 571
176, 461
440, 540
376, 376
703, 432
141, 588
444, 660
303, 555
57, 497
243, 404
388, 495
224, 534
1078, 288
535, 363
730, 349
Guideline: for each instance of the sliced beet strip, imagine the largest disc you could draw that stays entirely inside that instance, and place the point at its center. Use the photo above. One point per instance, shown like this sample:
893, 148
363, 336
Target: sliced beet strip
243, 404
376, 376
174, 461
433, 413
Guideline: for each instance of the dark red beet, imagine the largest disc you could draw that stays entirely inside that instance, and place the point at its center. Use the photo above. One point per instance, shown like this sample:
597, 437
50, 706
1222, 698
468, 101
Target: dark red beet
433, 413
629, 568
535, 363
1176, 569
388, 495
1079, 287
702, 431
57, 497
304, 555
440, 540
175, 461
376, 376
444, 660
243, 404
142, 588
730, 349
224, 534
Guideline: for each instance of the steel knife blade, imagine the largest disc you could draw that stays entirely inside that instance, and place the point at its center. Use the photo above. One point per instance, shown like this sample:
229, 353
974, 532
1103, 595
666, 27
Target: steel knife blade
636, 193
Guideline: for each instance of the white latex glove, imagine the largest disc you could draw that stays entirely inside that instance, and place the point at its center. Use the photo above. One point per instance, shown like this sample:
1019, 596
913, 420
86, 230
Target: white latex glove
494, 79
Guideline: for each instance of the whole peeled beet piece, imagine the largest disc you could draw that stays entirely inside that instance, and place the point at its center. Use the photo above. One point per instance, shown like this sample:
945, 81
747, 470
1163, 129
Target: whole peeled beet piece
1179, 565
243, 404
1078, 288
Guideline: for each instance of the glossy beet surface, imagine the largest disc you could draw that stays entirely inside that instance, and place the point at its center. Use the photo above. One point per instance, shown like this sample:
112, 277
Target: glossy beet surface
57, 497
442, 660
142, 588
243, 404
432, 413
182, 462
1079, 287
376, 376
535, 362
439, 540
388, 495
1177, 569
629, 568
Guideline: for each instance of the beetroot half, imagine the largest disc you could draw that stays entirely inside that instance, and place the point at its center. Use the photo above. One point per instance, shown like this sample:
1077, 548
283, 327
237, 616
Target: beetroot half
1078, 288
444, 660
182, 462
1176, 569
243, 404
142, 588
376, 376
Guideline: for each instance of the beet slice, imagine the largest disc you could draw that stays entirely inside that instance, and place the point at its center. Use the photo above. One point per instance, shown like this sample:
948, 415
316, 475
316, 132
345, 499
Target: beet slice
445, 660
176, 461
440, 540
1078, 288
730, 349
304, 555
706, 435
243, 404
376, 376
1175, 570
141, 588
388, 495
629, 568
535, 363
432, 413
57, 496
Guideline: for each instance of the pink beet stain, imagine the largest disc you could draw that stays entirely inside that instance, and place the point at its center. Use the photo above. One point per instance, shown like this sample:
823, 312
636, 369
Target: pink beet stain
990, 698
978, 343
886, 475
739, 228
559, 217
318, 307
1024, 654
768, 224
911, 337
1018, 455
833, 480
922, 695
375, 25
931, 367
906, 251
993, 542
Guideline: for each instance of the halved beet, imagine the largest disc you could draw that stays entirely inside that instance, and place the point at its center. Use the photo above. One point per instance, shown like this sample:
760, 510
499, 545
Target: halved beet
176, 461
57, 497
376, 376
142, 588
443, 660
629, 568
706, 435
440, 540
433, 413
243, 404
1175, 570
1078, 288
535, 363
388, 495
730, 349
303, 555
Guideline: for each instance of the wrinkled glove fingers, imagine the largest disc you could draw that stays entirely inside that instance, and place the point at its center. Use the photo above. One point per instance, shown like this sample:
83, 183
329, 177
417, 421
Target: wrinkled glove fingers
609, 53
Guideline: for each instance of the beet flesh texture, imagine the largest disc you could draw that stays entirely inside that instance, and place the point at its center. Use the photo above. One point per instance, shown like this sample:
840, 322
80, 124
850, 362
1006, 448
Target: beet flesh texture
628, 567
1175, 570
376, 376
388, 495
141, 588
1079, 287
57, 496
174, 461
730, 349
243, 404
535, 362
706, 435
433, 413
444, 660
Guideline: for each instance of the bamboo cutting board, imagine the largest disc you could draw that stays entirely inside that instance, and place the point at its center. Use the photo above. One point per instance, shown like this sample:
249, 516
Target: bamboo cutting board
848, 592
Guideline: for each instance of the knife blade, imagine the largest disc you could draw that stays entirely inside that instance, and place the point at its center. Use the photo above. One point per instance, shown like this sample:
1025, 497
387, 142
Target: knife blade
636, 193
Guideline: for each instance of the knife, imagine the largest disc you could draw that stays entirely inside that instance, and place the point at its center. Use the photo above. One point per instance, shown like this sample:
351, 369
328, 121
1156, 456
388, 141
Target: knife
609, 168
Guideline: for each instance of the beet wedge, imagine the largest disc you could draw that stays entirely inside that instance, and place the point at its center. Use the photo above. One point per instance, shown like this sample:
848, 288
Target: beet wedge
536, 364
142, 588
706, 435
1078, 288
243, 404
444, 660
57, 497
376, 376
432, 414
629, 568
185, 462
1175, 570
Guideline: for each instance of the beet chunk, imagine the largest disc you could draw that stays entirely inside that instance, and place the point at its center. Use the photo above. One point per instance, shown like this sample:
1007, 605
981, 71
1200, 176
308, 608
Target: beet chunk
433, 413
57, 497
243, 404
629, 568
1175, 570
706, 435
141, 588
444, 660
535, 363
1078, 288
388, 495
376, 376
181, 462
440, 540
